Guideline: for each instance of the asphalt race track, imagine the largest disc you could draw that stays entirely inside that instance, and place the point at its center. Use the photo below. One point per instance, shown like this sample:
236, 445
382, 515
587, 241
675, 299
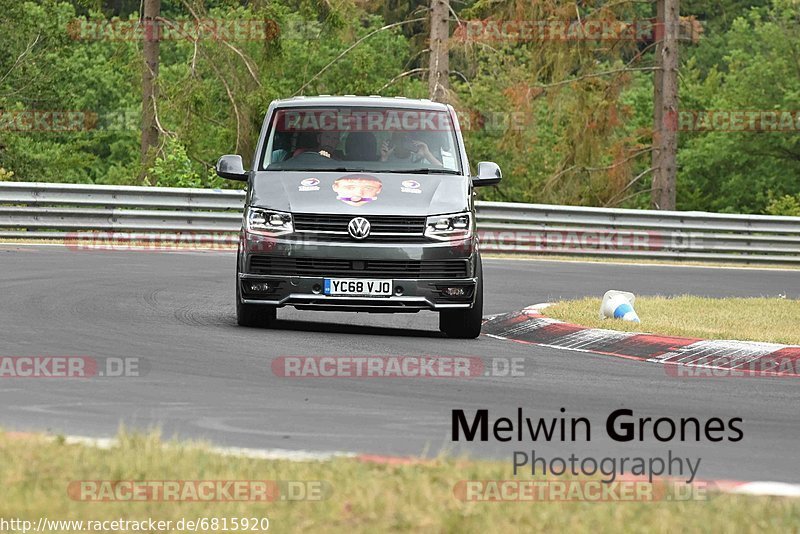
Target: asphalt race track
207, 378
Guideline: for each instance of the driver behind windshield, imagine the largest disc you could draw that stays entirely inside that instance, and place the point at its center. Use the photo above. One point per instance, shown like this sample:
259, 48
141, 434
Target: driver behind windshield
329, 145
306, 142
323, 143
361, 146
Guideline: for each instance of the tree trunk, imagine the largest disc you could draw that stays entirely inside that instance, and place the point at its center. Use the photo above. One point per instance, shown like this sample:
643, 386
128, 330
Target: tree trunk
439, 70
152, 10
665, 112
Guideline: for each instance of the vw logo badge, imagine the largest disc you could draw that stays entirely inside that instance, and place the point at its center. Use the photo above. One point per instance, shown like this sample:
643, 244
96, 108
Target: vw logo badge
359, 228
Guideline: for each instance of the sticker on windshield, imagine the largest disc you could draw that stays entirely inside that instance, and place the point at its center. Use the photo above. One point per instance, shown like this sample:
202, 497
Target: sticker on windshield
309, 184
410, 186
357, 189
448, 161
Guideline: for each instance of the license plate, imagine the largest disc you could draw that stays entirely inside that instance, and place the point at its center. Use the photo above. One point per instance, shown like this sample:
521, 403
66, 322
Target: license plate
358, 287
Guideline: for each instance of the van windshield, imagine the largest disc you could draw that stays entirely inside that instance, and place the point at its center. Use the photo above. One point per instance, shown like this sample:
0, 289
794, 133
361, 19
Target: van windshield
401, 140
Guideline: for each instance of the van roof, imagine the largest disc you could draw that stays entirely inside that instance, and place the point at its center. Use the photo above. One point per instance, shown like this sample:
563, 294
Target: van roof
360, 101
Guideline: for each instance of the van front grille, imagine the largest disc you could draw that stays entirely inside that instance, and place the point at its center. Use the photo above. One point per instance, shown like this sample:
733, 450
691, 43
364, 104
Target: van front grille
431, 269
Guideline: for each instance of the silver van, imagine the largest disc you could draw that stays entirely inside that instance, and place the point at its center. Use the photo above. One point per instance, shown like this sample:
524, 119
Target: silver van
360, 204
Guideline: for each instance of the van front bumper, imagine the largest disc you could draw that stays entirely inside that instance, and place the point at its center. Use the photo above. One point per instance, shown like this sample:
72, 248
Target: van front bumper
295, 271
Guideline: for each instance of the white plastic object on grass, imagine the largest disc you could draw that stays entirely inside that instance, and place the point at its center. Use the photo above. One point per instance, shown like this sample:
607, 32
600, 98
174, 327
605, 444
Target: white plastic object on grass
619, 305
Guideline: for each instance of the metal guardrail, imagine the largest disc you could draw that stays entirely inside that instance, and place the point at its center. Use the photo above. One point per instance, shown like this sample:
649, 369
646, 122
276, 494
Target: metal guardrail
82, 212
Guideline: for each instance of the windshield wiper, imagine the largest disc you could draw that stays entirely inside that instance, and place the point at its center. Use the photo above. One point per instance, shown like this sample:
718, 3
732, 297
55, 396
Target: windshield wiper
423, 171
326, 169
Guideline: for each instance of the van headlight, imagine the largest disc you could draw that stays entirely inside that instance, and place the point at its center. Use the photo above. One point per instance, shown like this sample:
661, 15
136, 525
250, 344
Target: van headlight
449, 227
268, 222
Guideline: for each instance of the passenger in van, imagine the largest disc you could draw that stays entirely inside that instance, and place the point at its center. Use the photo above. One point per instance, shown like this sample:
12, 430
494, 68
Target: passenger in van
403, 148
280, 147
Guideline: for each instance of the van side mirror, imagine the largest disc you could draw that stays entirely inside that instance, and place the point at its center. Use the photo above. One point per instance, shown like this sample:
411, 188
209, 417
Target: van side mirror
488, 174
231, 167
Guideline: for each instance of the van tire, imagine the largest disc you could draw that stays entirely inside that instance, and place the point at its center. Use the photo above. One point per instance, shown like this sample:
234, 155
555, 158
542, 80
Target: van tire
465, 324
253, 315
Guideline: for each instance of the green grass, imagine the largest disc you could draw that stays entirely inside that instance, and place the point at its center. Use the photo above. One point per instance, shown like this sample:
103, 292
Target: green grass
748, 319
365, 497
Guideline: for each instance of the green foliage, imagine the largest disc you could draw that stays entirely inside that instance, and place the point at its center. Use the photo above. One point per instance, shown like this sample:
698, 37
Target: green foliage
585, 142
173, 167
785, 205
734, 171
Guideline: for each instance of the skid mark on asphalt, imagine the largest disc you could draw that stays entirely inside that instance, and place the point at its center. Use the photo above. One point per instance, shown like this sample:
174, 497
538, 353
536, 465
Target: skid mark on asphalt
150, 297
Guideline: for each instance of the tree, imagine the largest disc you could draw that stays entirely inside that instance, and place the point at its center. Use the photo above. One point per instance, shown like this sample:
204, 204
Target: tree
150, 55
439, 69
665, 104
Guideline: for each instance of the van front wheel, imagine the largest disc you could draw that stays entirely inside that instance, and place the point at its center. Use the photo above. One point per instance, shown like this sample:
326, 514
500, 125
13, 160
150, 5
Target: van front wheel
253, 315
465, 324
